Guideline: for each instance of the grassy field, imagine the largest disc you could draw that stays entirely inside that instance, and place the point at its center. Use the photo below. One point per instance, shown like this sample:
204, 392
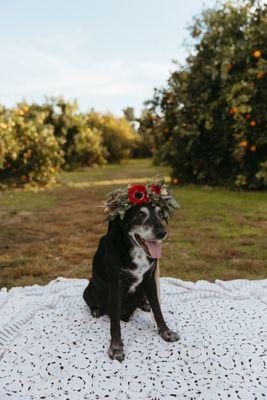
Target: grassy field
217, 234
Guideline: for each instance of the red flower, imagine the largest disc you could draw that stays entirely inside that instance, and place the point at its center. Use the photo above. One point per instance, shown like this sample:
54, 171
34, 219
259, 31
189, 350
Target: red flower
138, 194
155, 189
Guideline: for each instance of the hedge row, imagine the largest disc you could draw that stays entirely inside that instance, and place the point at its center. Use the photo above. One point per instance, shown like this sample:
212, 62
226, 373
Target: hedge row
36, 141
210, 122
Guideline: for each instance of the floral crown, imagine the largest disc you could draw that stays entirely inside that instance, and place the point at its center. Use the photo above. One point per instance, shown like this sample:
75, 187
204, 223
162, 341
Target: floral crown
155, 192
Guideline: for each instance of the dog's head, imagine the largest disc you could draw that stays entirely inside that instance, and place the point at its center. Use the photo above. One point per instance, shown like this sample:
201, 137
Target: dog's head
139, 210
144, 225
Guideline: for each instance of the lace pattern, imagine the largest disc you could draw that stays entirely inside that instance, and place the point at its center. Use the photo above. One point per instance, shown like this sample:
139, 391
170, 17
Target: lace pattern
51, 347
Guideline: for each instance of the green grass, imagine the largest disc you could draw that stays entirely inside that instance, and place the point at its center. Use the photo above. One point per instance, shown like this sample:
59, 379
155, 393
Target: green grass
217, 233
127, 170
31, 201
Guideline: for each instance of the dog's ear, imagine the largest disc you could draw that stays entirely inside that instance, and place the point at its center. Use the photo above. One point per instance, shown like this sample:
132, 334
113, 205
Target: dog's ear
118, 230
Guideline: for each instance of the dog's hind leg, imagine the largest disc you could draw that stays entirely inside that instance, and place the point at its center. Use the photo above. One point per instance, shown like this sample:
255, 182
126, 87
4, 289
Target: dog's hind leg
96, 311
126, 315
87, 294
89, 298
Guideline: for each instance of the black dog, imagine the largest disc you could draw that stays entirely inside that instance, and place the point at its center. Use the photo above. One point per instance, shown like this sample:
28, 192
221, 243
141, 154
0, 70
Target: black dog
124, 272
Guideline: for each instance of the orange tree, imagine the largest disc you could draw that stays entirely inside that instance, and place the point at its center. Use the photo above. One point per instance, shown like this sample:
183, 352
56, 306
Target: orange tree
81, 145
36, 141
149, 133
29, 151
118, 136
212, 114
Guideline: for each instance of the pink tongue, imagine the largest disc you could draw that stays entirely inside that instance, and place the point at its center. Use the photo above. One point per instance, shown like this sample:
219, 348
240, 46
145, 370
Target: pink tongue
154, 248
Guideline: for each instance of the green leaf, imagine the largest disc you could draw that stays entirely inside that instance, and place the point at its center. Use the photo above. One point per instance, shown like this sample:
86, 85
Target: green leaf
173, 203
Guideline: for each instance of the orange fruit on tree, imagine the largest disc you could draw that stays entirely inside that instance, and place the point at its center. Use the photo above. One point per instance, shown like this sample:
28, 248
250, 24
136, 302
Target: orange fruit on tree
257, 54
233, 110
244, 143
253, 148
175, 181
260, 75
253, 123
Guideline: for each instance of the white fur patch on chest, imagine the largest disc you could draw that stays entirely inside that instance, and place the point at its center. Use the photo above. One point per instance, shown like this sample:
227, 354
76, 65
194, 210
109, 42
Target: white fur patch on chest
142, 266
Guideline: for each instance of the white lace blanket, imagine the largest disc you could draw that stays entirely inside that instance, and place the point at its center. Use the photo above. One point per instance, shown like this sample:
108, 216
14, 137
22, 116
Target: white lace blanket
51, 348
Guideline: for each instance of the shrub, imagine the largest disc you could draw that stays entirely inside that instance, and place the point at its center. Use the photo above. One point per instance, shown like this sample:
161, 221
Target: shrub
8, 142
118, 136
30, 153
37, 140
85, 149
81, 145
212, 115
147, 132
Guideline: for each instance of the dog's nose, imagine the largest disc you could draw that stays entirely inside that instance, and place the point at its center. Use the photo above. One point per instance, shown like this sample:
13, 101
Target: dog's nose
161, 233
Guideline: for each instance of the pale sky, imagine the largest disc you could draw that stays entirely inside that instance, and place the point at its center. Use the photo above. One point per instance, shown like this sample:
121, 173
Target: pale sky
108, 54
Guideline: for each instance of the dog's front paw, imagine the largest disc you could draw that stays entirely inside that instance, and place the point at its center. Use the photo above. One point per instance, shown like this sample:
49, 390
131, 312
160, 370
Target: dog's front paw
169, 336
115, 352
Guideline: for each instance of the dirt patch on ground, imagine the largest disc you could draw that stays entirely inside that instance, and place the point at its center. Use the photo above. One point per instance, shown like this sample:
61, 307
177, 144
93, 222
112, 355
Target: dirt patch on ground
60, 240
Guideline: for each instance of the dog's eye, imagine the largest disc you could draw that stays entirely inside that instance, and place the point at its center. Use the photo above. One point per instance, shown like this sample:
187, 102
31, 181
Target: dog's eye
141, 214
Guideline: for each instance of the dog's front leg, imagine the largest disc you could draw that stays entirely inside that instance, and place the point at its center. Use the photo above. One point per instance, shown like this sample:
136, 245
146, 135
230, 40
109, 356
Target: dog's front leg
115, 350
152, 295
